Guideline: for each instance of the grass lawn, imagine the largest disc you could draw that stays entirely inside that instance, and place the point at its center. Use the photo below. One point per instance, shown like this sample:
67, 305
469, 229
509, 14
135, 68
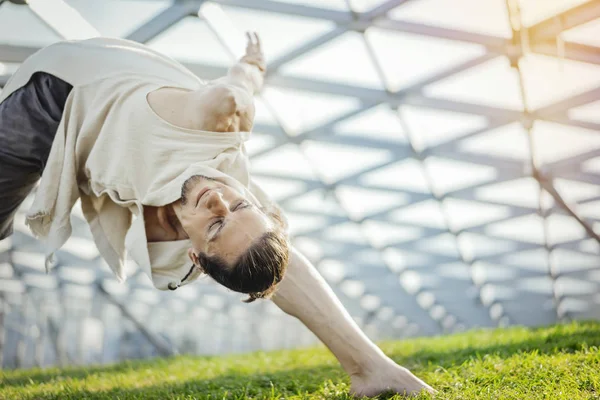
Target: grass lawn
558, 362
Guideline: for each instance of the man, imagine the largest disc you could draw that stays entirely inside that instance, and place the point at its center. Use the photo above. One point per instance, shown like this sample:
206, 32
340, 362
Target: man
157, 158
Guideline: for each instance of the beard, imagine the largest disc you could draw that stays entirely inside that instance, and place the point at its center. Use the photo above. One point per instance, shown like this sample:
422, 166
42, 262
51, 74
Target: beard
189, 184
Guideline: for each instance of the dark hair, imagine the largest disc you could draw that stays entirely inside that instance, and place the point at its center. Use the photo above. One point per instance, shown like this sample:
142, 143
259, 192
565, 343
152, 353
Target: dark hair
259, 269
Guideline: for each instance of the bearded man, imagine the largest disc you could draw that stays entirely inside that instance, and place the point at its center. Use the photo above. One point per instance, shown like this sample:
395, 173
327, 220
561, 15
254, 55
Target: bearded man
157, 158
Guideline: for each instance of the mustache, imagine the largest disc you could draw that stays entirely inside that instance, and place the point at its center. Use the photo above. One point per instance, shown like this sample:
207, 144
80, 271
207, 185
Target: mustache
189, 184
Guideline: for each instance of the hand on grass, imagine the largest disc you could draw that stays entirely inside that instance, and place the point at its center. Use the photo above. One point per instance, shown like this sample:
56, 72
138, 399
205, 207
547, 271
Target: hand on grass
388, 377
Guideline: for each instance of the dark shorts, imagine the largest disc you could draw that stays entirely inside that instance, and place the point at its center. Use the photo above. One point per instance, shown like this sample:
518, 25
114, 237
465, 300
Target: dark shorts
29, 118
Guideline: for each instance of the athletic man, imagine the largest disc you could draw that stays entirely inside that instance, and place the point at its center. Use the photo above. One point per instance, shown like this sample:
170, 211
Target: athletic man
157, 158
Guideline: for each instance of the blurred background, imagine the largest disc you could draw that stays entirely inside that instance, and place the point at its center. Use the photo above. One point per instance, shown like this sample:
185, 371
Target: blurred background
439, 162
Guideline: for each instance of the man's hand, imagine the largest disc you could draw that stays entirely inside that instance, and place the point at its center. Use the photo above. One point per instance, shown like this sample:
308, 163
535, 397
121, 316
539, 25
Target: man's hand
254, 54
249, 72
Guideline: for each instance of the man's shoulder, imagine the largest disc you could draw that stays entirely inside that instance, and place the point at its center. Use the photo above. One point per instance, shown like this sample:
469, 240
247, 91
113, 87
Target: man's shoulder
223, 94
223, 106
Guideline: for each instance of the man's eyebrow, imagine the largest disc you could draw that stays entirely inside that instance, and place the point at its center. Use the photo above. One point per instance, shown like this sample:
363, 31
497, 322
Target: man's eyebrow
216, 235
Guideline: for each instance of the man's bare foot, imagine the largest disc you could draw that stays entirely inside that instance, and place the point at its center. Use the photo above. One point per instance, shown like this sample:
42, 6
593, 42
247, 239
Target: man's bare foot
388, 377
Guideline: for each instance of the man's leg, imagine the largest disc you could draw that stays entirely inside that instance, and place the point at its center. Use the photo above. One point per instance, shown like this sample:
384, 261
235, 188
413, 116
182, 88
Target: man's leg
15, 184
304, 294
29, 117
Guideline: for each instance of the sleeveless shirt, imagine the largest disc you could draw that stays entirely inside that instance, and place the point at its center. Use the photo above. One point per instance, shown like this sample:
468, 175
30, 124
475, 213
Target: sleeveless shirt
112, 151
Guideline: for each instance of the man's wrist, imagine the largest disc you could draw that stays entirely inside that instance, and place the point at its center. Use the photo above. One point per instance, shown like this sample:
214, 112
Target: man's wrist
256, 63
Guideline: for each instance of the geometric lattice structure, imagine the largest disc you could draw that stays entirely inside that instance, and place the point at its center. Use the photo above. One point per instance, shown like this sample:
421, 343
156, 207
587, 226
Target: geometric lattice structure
439, 163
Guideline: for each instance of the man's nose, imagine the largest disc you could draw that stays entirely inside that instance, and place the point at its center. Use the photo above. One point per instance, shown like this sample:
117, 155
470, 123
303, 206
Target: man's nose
216, 203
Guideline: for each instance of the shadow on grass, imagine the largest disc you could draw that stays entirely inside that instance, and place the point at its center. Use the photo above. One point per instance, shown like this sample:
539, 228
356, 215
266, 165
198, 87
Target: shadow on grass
267, 385
38, 376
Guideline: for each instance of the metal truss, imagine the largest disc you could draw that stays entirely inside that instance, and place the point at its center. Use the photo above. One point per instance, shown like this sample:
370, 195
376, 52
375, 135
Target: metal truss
443, 277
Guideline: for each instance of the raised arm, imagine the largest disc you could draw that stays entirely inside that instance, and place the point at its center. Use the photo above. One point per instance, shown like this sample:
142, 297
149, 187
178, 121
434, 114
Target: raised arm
226, 104
249, 72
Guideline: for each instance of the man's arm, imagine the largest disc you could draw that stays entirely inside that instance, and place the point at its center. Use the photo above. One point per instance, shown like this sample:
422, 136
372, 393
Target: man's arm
226, 104
303, 293
249, 72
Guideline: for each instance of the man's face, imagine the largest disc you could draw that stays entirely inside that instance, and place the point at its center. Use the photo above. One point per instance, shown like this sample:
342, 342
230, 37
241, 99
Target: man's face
219, 220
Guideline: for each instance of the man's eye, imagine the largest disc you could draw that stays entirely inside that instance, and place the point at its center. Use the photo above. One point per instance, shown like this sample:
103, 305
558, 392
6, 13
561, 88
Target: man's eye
215, 224
243, 204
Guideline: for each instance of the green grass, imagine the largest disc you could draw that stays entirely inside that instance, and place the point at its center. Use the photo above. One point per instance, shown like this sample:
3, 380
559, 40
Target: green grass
558, 362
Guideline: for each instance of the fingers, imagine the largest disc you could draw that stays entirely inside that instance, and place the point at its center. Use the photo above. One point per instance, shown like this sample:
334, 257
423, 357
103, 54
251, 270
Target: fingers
253, 40
249, 43
258, 45
254, 53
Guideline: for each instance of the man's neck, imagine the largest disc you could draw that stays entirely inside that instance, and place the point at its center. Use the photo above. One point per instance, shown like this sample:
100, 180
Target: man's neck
162, 224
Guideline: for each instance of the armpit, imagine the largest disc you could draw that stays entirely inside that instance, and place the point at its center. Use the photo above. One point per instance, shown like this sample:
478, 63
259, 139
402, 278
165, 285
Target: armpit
229, 109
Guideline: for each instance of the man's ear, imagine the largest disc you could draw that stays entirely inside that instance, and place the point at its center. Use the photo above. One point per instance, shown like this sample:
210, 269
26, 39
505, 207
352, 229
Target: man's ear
193, 257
